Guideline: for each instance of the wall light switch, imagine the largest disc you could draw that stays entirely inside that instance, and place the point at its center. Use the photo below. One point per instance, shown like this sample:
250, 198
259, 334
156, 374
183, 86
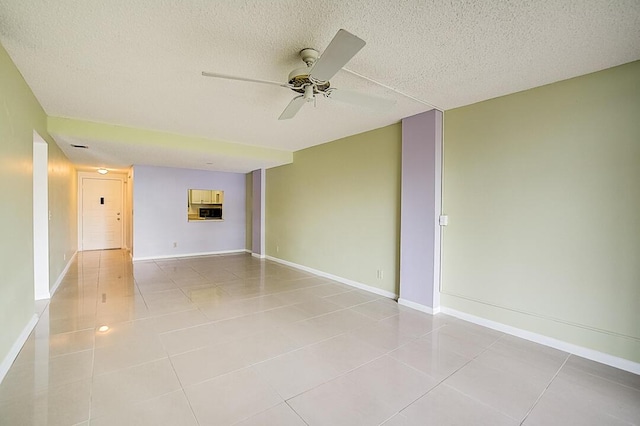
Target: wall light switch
444, 220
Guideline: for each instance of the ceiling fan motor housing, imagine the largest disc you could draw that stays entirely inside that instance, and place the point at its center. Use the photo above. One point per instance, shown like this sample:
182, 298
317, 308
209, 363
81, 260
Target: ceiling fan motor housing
299, 78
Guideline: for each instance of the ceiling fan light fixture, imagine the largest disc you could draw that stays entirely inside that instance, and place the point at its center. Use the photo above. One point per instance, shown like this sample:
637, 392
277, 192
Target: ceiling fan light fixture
103, 171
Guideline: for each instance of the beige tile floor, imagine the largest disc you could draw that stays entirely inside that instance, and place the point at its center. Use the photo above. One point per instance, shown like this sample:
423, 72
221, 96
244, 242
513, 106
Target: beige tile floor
224, 340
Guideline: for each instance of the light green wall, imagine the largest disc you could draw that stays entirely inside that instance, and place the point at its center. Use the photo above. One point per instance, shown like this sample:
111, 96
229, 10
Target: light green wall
20, 115
63, 204
336, 208
542, 190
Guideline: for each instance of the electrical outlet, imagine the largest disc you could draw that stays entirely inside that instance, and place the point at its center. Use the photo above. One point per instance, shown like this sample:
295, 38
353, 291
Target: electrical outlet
64, 256
277, 249
380, 274
175, 244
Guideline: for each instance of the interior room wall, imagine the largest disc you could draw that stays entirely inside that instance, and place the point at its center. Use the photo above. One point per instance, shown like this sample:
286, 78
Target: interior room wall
248, 211
335, 209
542, 190
160, 202
257, 213
420, 210
128, 213
20, 115
63, 204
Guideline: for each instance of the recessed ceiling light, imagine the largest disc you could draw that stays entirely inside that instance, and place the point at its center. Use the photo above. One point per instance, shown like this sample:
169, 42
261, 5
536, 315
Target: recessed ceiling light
80, 146
103, 328
103, 171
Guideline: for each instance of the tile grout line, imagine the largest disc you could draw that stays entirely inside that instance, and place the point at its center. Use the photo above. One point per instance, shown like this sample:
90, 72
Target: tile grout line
361, 365
303, 348
545, 389
615, 382
312, 344
182, 388
256, 313
142, 363
413, 340
93, 355
451, 374
300, 349
297, 414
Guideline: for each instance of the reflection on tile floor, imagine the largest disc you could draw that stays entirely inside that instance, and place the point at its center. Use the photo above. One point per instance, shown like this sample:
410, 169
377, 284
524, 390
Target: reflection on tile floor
222, 340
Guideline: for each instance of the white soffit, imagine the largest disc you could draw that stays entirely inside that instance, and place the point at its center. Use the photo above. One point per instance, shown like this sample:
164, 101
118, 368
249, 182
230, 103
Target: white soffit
138, 64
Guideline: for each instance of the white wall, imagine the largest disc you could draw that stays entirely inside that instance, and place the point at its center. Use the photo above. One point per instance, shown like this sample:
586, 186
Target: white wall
160, 213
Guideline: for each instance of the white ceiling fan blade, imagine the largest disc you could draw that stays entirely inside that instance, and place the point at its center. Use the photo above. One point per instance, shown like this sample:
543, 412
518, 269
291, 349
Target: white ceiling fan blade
361, 99
342, 48
292, 109
251, 80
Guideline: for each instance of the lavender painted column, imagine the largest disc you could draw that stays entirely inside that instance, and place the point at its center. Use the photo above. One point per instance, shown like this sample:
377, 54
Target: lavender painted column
258, 210
420, 211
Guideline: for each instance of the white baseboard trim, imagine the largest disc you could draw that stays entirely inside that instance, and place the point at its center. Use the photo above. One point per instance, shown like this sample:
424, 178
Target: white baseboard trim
17, 345
175, 256
418, 306
53, 289
342, 280
259, 256
601, 357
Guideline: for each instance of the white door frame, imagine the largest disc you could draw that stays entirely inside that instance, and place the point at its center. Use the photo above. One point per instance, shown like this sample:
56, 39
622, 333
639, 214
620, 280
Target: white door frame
40, 218
92, 175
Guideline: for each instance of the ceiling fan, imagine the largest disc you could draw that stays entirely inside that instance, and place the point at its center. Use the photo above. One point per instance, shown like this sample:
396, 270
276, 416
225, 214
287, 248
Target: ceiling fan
313, 80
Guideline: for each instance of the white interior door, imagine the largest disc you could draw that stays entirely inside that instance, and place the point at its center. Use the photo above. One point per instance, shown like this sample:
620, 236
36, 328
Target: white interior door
101, 214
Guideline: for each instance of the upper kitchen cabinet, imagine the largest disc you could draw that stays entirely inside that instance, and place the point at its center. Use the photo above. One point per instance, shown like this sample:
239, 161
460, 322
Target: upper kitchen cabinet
200, 196
206, 196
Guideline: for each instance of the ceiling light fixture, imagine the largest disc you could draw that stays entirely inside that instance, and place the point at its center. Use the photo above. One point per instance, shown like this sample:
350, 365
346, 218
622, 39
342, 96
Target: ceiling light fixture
103, 328
103, 171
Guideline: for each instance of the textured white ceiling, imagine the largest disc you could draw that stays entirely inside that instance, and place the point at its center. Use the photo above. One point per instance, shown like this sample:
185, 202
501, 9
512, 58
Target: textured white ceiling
138, 63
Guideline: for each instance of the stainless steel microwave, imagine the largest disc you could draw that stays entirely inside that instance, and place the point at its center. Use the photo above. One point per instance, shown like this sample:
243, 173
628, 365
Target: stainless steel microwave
210, 212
